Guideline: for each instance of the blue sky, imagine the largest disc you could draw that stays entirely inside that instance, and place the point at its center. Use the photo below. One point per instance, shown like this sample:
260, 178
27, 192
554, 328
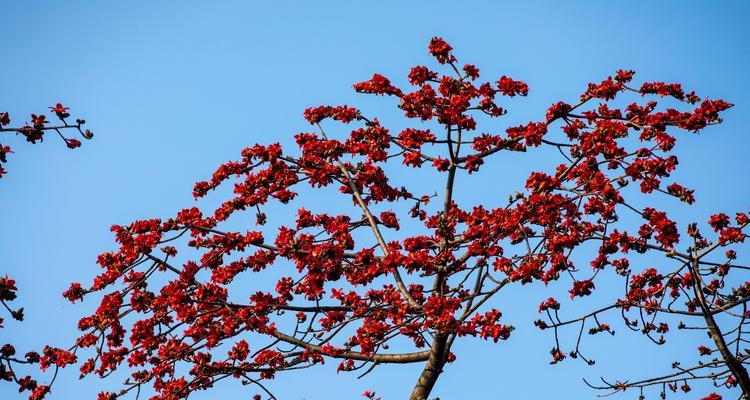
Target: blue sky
172, 89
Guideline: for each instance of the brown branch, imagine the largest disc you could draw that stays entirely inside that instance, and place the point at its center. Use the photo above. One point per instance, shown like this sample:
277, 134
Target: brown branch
402, 358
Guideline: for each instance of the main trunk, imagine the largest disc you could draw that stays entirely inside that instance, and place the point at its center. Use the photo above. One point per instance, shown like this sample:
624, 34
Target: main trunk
432, 369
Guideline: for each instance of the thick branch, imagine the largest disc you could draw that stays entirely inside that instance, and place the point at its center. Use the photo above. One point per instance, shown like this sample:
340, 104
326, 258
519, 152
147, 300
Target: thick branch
738, 370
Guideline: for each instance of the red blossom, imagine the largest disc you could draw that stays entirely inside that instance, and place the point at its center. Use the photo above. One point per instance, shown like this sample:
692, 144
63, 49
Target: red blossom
510, 87
421, 74
39, 120
581, 288
548, 304
60, 110
441, 50
378, 84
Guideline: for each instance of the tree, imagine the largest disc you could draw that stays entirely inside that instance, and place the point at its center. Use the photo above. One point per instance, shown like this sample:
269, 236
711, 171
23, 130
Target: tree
351, 287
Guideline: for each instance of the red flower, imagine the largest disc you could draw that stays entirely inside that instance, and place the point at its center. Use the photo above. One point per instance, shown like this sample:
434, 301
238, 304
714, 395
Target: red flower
341, 113
510, 87
557, 355
420, 74
389, 219
624, 76
581, 288
666, 229
550, 303
441, 50
39, 393
558, 110
606, 90
441, 164
471, 71
38, 120
719, 221
663, 89
532, 133
75, 292
60, 110
7, 289
4, 150
679, 191
378, 84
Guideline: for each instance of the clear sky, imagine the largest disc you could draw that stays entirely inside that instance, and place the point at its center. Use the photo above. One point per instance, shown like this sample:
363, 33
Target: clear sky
172, 89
